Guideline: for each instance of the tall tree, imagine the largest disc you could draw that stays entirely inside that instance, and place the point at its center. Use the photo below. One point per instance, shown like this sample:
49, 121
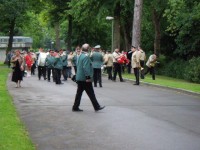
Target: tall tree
136, 38
12, 12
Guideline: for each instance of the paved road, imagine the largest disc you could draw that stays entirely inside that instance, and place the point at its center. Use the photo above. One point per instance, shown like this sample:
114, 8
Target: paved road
135, 117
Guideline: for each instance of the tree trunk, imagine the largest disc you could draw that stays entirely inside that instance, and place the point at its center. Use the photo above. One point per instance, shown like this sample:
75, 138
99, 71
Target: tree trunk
57, 30
11, 34
116, 27
136, 36
10, 41
156, 21
125, 39
69, 36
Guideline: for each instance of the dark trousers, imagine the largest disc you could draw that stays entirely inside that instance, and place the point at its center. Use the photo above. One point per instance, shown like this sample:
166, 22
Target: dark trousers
136, 72
129, 67
69, 72
152, 72
88, 88
117, 69
57, 75
33, 69
64, 72
75, 69
142, 69
42, 72
49, 71
97, 76
109, 71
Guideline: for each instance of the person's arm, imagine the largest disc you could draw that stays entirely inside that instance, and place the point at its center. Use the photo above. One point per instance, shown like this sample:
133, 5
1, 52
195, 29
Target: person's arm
86, 68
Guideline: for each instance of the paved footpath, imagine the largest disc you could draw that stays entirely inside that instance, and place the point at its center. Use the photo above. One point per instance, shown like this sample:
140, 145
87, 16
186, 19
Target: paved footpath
135, 118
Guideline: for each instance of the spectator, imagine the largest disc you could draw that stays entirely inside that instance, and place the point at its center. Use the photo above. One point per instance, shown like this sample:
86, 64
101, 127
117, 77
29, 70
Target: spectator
18, 63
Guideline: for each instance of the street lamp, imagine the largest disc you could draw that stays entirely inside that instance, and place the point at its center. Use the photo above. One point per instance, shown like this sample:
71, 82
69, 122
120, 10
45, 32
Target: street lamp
112, 19
52, 45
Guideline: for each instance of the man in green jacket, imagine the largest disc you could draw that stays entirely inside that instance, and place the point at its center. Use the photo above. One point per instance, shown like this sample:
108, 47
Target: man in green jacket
97, 62
50, 65
58, 66
84, 80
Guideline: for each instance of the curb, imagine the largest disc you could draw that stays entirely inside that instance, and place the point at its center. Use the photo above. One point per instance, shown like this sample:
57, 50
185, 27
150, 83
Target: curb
168, 88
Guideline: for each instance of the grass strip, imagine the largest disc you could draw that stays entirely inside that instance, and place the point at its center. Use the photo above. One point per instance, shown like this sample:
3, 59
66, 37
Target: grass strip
168, 82
13, 135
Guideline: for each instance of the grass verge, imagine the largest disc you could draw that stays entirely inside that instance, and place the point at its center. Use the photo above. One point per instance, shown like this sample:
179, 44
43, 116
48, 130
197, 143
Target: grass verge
13, 135
168, 82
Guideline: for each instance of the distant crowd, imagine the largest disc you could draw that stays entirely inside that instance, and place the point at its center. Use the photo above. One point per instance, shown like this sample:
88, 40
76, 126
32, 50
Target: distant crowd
59, 66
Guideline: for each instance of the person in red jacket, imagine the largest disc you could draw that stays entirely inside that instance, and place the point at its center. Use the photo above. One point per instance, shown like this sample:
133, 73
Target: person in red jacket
29, 63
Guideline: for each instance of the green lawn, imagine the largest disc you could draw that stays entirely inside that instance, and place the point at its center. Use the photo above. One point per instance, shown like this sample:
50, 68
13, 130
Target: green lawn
168, 82
13, 135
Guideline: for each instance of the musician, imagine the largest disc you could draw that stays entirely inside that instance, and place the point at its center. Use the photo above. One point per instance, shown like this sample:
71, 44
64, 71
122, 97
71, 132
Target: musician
135, 63
117, 66
142, 62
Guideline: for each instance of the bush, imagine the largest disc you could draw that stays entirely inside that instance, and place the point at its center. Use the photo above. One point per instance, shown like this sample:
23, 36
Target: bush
192, 71
173, 68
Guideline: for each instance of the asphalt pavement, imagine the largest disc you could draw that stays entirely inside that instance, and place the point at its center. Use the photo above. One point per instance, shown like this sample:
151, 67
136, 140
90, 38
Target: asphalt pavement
135, 117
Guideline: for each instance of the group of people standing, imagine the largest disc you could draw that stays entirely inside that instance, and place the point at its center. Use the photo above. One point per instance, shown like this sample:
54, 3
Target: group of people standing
87, 63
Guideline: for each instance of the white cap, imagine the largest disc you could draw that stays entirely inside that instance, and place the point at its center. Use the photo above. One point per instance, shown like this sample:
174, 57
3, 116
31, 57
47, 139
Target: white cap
97, 46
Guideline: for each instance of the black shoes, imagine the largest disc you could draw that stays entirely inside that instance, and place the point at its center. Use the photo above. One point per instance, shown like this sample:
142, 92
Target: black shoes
80, 110
77, 109
136, 84
100, 108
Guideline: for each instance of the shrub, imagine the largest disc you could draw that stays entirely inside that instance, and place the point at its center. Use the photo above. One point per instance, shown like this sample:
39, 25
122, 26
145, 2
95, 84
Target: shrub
192, 71
173, 68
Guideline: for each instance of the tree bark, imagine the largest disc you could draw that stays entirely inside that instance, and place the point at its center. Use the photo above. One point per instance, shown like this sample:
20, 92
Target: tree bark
69, 36
136, 35
11, 34
156, 21
116, 27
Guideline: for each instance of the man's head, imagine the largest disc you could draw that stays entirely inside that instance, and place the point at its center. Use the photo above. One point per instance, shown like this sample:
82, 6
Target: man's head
133, 48
85, 47
117, 50
61, 51
51, 52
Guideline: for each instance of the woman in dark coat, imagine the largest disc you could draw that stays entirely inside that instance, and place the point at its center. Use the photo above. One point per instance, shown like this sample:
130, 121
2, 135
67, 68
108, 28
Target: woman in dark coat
18, 63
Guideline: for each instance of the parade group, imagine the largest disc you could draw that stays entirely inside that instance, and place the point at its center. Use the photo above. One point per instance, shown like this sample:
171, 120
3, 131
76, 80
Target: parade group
57, 65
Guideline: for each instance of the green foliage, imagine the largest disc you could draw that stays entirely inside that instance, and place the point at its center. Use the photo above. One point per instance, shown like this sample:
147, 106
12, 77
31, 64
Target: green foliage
183, 18
179, 68
173, 68
192, 71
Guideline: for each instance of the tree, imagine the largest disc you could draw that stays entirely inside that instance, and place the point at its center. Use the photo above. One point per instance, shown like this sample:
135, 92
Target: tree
136, 38
184, 26
12, 12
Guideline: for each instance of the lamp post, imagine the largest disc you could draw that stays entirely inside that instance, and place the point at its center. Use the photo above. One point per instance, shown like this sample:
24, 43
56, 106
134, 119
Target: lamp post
52, 45
112, 19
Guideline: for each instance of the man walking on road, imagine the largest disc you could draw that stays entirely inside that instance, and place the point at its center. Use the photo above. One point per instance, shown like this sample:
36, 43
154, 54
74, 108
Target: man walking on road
84, 80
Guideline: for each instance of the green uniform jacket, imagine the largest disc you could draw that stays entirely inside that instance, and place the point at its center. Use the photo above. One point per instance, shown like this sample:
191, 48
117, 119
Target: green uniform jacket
50, 61
74, 60
84, 67
97, 60
58, 64
64, 60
